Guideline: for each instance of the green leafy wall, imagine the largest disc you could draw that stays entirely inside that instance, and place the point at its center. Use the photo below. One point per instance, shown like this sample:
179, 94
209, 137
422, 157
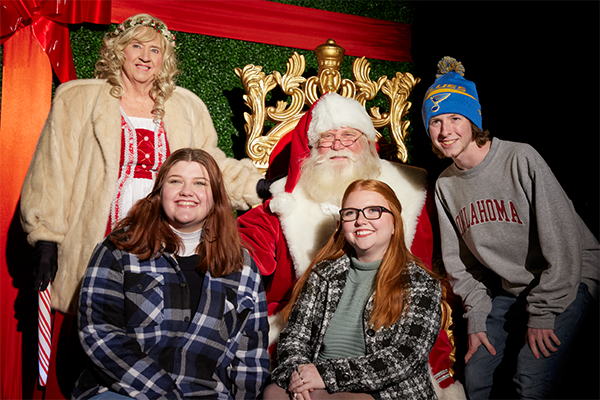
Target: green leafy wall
208, 63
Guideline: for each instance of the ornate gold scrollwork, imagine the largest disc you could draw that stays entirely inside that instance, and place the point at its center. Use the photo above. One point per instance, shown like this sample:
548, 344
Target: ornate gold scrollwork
447, 325
306, 91
257, 85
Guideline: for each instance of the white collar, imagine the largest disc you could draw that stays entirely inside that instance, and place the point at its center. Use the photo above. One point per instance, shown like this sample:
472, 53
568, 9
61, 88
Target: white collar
190, 241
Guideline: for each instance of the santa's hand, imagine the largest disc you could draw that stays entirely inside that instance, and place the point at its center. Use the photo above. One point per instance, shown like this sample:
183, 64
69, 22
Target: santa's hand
44, 264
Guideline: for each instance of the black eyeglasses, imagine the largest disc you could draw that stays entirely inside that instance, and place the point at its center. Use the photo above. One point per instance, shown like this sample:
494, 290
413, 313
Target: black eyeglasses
371, 212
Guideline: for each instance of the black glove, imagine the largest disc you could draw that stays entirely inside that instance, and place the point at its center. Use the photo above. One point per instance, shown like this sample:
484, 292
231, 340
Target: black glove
263, 187
44, 263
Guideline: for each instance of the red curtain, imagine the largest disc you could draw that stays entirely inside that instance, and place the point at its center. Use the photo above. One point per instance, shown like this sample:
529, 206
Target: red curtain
35, 37
25, 104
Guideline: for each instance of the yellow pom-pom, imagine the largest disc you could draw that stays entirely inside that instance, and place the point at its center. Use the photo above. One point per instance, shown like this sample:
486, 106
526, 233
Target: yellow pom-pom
449, 64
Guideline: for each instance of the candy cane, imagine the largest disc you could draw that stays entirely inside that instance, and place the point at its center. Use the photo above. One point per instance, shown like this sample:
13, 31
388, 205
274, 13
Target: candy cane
44, 334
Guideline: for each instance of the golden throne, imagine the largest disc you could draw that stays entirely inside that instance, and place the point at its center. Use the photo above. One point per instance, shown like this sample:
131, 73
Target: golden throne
303, 92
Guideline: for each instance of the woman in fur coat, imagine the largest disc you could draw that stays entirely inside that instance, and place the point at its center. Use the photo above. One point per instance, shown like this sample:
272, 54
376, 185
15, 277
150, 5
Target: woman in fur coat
102, 146
364, 317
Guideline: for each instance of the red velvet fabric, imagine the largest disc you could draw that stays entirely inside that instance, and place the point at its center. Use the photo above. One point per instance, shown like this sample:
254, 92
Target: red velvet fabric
439, 360
277, 24
424, 247
252, 20
261, 230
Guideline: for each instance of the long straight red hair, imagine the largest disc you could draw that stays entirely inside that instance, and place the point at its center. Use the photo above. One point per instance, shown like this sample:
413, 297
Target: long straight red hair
391, 291
146, 232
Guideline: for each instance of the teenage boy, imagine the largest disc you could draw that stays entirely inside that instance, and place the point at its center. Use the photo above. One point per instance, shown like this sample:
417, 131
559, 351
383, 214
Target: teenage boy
515, 250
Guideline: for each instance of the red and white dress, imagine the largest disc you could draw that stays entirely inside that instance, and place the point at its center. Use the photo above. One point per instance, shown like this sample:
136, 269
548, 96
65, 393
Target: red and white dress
144, 148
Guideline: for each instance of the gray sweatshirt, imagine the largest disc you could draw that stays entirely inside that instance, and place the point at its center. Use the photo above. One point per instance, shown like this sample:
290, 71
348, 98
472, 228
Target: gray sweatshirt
509, 218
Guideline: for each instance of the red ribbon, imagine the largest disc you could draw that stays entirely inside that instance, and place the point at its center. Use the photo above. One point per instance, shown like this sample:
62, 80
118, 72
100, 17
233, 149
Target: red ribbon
49, 21
277, 24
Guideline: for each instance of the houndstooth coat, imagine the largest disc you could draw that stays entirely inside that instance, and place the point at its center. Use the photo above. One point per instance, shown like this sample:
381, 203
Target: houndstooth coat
396, 361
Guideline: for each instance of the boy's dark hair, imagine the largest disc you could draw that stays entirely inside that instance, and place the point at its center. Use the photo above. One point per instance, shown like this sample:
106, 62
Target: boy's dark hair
479, 136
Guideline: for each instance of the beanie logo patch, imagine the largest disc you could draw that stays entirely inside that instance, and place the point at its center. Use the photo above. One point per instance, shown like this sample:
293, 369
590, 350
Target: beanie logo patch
438, 99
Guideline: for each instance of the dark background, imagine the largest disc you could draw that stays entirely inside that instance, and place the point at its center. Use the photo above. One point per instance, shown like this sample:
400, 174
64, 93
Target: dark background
536, 68
535, 65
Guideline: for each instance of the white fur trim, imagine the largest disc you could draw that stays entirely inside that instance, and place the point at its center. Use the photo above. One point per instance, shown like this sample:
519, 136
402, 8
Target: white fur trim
410, 186
456, 391
307, 225
276, 325
278, 186
331, 209
283, 204
333, 111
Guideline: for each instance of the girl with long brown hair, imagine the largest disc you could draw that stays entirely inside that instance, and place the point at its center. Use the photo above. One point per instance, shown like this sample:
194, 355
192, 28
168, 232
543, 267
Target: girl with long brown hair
172, 304
364, 317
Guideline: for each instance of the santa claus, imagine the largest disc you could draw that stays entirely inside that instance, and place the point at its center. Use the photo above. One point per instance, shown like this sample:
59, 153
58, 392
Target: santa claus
333, 145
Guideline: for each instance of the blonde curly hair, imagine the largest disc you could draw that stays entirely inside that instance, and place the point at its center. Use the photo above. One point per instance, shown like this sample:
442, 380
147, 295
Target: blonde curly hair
144, 28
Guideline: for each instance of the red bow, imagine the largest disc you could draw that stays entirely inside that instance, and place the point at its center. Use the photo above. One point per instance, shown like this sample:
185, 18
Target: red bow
49, 21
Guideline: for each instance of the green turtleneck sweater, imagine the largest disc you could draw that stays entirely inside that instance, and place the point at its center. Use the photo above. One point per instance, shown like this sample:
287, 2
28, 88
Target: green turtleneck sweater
345, 336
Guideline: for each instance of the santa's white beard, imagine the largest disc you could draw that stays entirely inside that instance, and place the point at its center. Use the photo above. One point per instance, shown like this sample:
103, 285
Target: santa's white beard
326, 181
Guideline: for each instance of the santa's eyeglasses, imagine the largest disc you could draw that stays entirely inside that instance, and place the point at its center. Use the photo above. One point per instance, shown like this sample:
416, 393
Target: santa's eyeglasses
347, 139
371, 212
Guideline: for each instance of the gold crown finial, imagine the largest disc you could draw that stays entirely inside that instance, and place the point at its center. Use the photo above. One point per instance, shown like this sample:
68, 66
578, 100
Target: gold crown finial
330, 55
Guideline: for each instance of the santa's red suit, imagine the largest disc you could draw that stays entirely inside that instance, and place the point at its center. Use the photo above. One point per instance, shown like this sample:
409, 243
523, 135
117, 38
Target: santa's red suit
288, 230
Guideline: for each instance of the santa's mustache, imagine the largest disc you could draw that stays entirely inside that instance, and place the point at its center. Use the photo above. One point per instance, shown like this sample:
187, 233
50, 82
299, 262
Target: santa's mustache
322, 158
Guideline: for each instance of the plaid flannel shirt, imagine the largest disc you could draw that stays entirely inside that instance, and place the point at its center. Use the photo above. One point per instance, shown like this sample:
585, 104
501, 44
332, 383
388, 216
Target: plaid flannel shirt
136, 326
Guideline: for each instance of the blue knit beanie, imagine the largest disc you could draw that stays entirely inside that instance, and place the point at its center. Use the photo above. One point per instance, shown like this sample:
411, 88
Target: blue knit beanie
451, 93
